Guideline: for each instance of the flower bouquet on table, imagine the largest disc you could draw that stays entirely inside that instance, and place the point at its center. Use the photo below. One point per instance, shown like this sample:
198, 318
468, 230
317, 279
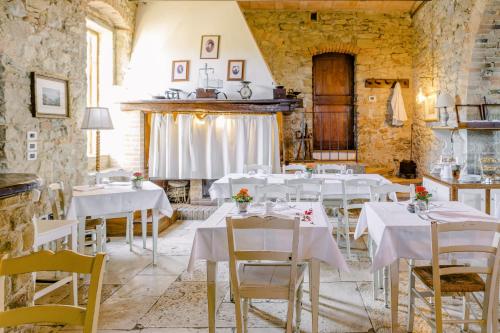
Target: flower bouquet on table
137, 180
422, 196
242, 199
310, 167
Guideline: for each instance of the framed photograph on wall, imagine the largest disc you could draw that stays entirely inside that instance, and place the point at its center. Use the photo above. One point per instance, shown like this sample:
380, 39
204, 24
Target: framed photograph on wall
49, 96
236, 70
210, 47
180, 70
430, 111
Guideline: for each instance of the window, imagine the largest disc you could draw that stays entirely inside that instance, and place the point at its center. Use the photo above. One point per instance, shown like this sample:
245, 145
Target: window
92, 81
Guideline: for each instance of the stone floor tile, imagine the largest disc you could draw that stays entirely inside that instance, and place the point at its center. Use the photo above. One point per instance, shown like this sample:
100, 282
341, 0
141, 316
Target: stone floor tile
200, 272
146, 285
166, 265
124, 313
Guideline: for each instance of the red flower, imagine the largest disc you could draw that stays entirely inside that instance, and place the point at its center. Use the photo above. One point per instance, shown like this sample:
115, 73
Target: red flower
137, 174
420, 189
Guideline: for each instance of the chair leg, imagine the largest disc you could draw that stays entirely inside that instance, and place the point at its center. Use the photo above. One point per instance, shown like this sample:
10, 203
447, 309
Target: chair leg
411, 297
298, 309
375, 285
310, 279
127, 231
347, 237
98, 238
245, 315
144, 225
94, 242
289, 316
386, 286
237, 306
104, 234
130, 224
339, 225
465, 312
74, 288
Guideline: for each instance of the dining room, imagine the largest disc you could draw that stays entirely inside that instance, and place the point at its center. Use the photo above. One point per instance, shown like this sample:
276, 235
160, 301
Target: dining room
249, 166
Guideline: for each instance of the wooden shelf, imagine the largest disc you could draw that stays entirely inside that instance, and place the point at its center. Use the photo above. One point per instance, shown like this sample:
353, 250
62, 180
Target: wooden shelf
487, 127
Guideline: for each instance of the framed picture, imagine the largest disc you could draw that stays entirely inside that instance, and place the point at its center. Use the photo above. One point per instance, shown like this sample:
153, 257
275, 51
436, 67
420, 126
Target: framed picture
236, 70
180, 70
430, 111
49, 96
209, 47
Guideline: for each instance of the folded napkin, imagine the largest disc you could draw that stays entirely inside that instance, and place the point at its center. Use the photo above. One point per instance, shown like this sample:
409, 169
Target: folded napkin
87, 188
459, 216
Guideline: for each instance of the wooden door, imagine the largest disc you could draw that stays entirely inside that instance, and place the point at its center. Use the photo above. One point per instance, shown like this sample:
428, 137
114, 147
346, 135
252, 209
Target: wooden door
333, 97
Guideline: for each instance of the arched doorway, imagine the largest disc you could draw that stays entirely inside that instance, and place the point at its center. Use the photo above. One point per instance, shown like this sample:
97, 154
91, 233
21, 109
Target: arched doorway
333, 102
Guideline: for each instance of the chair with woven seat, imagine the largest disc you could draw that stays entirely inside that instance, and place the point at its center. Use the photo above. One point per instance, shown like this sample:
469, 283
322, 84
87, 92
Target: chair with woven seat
66, 261
265, 274
355, 192
458, 280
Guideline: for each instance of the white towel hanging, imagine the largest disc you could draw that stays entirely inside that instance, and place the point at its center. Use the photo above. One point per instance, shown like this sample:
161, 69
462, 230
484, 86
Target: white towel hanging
398, 106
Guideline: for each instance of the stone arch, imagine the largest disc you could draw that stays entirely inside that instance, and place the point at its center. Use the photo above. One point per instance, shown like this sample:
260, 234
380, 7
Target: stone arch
332, 48
116, 13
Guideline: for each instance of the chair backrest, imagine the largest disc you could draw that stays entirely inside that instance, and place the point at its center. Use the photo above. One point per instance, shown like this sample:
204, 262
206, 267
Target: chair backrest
291, 168
236, 184
387, 191
65, 261
309, 189
266, 169
57, 200
274, 191
490, 269
262, 223
356, 188
331, 168
121, 174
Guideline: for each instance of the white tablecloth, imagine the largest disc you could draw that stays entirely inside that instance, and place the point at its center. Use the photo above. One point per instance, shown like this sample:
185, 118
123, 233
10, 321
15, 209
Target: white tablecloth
333, 182
316, 241
114, 199
400, 234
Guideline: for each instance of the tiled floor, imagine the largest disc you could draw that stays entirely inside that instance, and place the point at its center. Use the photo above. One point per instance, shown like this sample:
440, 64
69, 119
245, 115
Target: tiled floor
140, 297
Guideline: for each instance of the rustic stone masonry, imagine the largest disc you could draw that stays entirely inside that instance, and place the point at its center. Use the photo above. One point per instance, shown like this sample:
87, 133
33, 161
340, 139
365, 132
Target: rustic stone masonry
382, 46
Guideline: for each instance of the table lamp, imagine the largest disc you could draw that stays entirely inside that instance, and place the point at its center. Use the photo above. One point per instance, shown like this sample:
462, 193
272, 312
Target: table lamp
97, 118
444, 101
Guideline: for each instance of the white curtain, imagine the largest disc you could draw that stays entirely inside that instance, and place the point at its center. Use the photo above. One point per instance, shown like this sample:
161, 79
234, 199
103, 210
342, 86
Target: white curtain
191, 148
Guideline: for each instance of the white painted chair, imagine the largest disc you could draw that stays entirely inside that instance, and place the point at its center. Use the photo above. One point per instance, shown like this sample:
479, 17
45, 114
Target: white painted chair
66, 261
383, 193
95, 228
307, 189
292, 168
47, 232
273, 192
236, 184
257, 168
254, 277
120, 176
355, 192
458, 280
331, 168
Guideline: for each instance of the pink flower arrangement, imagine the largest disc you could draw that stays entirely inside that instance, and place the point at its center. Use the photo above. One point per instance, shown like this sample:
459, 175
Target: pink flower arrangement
137, 176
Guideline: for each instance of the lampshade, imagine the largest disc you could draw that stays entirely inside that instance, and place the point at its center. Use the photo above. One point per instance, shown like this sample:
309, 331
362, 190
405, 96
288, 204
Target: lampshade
97, 118
444, 100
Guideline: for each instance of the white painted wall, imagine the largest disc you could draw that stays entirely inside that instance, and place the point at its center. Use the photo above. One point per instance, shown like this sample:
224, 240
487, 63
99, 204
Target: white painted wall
172, 30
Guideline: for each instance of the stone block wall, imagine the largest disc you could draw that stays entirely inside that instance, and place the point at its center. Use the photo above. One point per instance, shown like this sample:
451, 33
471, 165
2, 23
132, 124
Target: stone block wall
382, 46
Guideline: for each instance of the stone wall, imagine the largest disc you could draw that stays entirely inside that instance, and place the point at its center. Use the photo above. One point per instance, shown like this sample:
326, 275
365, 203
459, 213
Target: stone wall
382, 45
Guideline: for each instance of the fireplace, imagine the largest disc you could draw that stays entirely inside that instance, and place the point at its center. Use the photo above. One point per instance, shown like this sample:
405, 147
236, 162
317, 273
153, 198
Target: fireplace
192, 191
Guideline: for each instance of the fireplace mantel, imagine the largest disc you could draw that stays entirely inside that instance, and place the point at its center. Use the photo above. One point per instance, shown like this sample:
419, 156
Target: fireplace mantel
214, 105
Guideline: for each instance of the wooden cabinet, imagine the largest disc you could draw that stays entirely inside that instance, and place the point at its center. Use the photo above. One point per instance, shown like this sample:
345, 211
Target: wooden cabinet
475, 198
439, 191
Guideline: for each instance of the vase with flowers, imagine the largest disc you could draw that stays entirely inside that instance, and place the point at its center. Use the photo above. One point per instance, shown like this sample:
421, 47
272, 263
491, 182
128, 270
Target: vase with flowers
137, 180
310, 167
422, 196
242, 199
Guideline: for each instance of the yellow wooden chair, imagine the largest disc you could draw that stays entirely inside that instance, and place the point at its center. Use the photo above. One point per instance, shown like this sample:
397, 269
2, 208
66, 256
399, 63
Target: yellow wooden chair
66, 261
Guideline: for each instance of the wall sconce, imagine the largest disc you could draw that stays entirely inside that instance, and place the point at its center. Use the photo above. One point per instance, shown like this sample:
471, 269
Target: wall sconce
420, 96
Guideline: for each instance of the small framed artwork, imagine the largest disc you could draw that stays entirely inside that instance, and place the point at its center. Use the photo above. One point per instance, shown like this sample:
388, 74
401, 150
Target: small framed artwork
430, 111
32, 135
49, 96
209, 47
180, 70
236, 70
32, 155
32, 146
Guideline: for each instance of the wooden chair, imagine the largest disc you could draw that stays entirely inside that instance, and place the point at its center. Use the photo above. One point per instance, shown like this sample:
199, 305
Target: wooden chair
307, 189
67, 261
281, 279
47, 232
236, 184
95, 228
292, 168
273, 191
355, 192
462, 280
121, 175
331, 168
383, 193
266, 169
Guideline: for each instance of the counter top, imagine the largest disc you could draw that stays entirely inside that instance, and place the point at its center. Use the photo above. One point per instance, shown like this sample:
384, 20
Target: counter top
456, 183
14, 183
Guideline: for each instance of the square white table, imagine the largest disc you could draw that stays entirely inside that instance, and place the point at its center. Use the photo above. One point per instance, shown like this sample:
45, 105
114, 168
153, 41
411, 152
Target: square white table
401, 234
333, 182
316, 245
116, 199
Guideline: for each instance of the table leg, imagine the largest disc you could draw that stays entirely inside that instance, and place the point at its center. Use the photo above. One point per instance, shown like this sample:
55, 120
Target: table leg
211, 293
144, 225
155, 236
314, 290
81, 235
394, 295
